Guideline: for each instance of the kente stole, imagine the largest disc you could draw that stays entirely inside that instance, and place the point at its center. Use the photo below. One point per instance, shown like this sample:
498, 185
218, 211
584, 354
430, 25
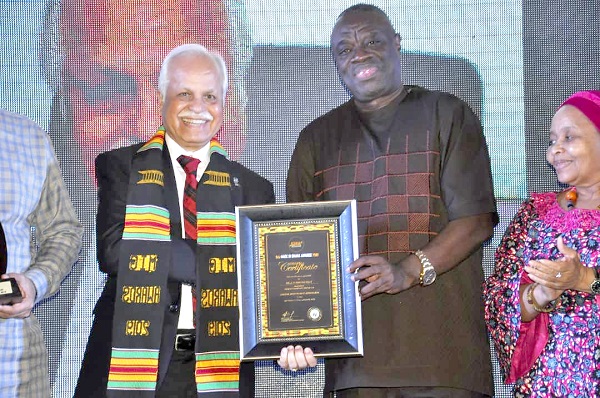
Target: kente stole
145, 256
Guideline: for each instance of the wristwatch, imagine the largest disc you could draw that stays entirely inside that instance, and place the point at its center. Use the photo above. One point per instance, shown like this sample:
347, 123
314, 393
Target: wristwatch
428, 274
595, 286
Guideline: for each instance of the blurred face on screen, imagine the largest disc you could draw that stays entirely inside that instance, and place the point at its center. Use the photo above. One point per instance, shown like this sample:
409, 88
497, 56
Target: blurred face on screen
574, 148
114, 49
366, 51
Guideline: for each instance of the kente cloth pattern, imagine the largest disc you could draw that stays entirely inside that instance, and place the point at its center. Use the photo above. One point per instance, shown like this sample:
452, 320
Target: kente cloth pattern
143, 271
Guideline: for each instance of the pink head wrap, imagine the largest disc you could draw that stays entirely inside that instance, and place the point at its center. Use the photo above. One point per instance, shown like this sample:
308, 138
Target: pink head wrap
588, 102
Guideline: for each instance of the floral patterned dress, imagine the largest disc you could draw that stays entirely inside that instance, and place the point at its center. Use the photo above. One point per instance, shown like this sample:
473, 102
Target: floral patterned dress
557, 354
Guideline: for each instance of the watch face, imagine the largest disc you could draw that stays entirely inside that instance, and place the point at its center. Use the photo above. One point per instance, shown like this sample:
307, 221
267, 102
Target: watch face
595, 286
429, 276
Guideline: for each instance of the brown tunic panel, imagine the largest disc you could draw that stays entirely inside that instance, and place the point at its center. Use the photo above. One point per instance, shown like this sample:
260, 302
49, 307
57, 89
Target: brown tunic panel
412, 166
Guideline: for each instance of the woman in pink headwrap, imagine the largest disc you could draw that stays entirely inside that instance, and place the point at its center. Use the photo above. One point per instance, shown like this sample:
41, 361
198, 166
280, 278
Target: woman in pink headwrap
542, 305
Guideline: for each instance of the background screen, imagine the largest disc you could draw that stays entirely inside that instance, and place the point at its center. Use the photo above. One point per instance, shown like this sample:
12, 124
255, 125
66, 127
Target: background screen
86, 71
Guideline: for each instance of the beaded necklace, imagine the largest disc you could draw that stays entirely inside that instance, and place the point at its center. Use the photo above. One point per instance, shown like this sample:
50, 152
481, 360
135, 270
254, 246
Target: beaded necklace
571, 197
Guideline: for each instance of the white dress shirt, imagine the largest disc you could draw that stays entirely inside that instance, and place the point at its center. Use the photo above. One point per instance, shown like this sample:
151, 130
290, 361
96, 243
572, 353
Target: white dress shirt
186, 314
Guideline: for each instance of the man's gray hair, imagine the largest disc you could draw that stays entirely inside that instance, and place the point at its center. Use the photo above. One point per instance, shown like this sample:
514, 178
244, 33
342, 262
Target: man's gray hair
196, 49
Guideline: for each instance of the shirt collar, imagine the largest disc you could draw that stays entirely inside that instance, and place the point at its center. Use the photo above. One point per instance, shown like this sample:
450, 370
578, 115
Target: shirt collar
175, 150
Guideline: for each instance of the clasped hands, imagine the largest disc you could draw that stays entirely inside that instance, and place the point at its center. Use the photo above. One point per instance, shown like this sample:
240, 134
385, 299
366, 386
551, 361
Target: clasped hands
556, 276
28, 291
375, 275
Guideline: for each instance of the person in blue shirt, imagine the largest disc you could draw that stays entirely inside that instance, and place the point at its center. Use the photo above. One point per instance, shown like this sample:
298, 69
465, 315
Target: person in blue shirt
33, 197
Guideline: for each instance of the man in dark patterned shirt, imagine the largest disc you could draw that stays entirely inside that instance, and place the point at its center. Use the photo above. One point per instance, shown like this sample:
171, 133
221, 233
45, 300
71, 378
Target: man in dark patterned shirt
417, 164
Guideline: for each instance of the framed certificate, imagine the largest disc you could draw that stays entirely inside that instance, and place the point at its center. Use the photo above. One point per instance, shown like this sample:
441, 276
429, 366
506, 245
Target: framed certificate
292, 279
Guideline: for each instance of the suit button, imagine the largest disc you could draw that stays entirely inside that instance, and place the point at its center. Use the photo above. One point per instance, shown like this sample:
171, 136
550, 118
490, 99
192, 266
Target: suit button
173, 308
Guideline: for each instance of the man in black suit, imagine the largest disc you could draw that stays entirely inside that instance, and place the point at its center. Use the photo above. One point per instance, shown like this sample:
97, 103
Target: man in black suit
148, 339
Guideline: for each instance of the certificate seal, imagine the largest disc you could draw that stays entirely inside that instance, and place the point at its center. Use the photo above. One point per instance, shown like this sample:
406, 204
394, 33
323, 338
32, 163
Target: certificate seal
315, 314
296, 244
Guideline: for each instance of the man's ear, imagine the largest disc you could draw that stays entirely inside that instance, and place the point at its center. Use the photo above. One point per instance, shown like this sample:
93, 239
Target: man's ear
397, 40
160, 99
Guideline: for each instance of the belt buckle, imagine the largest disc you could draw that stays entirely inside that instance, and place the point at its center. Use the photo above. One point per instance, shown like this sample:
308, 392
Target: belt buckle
179, 340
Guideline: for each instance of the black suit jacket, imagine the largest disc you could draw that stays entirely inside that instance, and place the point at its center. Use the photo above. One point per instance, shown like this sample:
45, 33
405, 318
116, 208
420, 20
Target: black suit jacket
112, 172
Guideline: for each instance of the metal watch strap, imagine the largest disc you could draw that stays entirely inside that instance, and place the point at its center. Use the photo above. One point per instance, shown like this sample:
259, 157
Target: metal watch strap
426, 266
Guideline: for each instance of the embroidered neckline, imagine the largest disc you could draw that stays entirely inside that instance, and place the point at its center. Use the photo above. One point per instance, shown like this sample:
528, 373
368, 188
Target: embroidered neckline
547, 207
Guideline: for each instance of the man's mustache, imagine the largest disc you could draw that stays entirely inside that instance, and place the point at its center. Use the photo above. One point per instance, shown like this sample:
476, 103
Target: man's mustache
194, 115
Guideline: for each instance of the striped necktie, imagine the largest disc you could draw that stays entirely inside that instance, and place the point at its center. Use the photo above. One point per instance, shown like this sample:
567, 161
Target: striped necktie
190, 166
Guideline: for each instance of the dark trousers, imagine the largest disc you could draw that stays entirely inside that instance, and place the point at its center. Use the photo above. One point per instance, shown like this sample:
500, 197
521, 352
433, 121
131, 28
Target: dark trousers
179, 381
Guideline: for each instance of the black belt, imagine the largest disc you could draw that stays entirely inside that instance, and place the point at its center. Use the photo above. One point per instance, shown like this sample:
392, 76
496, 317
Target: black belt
185, 342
